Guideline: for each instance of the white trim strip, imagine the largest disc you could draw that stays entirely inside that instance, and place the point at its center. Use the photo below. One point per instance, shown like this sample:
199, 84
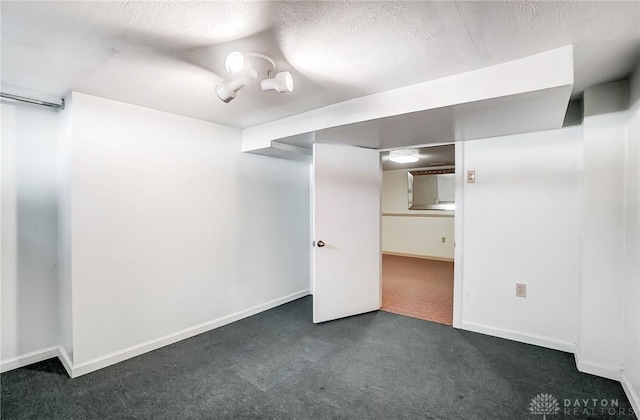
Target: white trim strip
65, 360
27, 359
597, 369
536, 340
631, 391
133, 351
422, 257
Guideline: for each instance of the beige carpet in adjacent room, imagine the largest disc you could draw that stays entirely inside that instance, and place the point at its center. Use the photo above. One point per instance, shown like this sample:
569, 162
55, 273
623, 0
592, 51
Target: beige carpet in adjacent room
418, 288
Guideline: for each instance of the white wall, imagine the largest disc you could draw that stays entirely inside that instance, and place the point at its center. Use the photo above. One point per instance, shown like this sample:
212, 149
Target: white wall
173, 227
65, 316
29, 231
412, 232
602, 229
520, 225
631, 354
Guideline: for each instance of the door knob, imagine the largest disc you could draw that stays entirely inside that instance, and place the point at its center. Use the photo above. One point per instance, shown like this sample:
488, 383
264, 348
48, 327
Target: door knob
320, 244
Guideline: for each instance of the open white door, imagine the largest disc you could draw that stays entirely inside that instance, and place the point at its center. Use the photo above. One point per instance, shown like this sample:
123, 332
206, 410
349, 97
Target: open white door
347, 183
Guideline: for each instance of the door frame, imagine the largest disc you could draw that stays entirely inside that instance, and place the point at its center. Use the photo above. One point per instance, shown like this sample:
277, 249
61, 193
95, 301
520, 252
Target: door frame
458, 255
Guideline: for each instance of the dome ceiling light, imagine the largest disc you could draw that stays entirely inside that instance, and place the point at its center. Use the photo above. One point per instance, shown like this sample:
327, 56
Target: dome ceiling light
404, 156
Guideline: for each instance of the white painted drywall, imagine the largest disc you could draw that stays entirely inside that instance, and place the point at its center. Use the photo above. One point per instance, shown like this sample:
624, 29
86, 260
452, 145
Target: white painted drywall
412, 232
520, 225
418, 236
548, 73
602, 216
631, 355
29, 229
65, 302
172, 226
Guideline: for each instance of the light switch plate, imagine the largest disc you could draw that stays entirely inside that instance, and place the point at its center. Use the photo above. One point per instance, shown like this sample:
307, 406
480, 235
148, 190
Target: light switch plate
471, 177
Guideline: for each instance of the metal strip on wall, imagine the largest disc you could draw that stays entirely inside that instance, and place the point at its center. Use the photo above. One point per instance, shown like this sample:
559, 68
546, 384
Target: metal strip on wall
32, 101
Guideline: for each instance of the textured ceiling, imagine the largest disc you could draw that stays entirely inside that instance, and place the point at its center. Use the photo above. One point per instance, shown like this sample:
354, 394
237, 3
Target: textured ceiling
169, 55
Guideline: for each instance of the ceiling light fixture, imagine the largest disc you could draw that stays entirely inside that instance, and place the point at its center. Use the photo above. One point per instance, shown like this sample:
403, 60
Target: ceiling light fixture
281, 83
234, 62
247, 69
404, 156
227, 90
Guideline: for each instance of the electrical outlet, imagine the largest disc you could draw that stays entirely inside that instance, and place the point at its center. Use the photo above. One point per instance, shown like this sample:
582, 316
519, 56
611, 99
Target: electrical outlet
471, 177
521, 290
444, 239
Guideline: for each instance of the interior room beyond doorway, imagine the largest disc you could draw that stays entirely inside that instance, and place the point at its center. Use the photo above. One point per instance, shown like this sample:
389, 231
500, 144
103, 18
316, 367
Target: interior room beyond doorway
418, 208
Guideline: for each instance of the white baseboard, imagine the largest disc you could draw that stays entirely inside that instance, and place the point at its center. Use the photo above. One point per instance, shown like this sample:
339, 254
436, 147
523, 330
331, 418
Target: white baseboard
597, 369
536, 340
582, 365
65, 360
420, 256
27, 359
133, 351
631, 391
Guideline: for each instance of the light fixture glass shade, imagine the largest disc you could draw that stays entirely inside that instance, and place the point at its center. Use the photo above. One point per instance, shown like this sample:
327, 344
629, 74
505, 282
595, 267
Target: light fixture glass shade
234, 62
227, 91
282, 82
404, 156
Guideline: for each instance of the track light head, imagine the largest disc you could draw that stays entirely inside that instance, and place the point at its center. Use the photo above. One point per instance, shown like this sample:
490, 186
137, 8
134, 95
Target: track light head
282, 83
227, 91
234, 62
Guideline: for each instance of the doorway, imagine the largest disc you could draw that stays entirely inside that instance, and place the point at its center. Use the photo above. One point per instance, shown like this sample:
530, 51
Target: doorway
418, 225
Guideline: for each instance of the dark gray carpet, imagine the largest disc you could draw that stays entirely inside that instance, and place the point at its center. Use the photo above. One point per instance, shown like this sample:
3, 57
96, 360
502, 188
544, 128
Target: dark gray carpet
278, 364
